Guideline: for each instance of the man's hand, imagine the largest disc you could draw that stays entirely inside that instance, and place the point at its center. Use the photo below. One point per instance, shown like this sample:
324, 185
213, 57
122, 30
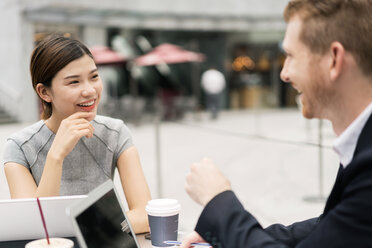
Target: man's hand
205, 181
193, 237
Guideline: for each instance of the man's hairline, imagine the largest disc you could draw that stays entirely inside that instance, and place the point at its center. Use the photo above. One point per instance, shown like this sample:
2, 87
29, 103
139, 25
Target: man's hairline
303, 18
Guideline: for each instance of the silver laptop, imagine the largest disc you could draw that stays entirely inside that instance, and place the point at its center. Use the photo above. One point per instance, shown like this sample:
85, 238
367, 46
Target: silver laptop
21, 220
100, 220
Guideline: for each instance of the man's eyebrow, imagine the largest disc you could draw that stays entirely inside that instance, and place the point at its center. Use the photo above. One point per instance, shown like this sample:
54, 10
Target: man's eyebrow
76, 76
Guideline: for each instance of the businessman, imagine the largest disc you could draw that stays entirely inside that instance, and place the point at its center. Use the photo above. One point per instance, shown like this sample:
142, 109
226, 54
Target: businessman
329, 62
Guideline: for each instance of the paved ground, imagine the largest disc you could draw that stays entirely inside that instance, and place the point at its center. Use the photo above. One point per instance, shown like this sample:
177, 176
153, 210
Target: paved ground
267, 154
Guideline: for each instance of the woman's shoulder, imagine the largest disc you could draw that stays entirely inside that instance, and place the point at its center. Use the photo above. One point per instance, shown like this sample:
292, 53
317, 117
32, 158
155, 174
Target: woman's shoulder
105, 127
105, 123
27, 133
110, 130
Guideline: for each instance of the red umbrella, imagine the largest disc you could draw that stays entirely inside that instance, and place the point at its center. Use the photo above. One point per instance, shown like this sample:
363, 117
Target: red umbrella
168, 54
103, 55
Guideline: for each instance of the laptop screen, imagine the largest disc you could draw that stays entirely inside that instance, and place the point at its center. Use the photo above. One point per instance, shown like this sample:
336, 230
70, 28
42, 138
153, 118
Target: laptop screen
103, 224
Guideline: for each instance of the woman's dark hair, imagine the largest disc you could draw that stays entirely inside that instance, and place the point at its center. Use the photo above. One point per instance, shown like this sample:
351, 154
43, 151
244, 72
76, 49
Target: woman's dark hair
50, 56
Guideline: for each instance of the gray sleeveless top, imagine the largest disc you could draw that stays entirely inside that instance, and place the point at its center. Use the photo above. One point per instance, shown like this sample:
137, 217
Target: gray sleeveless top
90, 163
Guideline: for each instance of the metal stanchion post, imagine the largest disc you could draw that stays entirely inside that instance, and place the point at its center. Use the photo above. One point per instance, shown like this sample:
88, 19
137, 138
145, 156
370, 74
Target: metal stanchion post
320, 197
320, 134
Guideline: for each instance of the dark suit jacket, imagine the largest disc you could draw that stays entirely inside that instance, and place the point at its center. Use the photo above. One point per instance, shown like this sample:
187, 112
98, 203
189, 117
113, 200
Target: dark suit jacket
345, 222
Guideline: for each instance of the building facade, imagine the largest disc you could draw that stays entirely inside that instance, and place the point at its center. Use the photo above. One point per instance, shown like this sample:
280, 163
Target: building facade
224, 30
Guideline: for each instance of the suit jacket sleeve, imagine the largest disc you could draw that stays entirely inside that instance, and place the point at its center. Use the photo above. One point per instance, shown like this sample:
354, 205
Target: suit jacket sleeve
225, 223
292, 234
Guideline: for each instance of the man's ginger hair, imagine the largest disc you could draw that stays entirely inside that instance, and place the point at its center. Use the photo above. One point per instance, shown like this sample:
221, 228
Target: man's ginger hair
346, 21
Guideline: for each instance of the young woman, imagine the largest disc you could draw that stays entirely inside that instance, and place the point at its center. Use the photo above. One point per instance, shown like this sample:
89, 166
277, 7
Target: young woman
72, 150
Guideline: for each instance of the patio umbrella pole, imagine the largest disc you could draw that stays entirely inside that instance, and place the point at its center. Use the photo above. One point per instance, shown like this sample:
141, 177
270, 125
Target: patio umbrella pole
133, 87
157, 156
196, 88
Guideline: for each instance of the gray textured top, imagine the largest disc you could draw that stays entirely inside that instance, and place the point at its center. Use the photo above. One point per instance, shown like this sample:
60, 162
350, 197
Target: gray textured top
90, 163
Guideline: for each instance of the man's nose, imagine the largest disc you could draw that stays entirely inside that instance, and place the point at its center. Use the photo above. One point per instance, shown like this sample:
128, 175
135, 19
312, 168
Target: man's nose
284, 75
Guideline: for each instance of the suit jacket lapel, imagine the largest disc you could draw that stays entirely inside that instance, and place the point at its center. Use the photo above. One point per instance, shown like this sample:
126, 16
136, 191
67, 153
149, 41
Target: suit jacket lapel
336, 192
365, 137
364, 141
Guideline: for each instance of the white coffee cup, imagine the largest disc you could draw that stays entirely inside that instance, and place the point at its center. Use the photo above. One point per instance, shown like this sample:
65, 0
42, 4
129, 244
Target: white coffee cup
163, 217
54, 243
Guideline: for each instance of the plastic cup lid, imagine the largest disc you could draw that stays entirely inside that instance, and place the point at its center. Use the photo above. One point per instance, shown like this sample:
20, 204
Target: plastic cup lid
54, 242
163, 206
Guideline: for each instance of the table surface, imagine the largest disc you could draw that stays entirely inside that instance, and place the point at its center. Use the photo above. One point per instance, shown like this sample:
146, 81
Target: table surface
144, 243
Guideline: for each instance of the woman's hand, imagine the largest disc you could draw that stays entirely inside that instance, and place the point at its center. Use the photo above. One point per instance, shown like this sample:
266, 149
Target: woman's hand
70, 131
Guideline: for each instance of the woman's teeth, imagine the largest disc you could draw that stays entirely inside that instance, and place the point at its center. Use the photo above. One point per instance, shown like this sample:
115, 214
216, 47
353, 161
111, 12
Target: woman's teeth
87, 104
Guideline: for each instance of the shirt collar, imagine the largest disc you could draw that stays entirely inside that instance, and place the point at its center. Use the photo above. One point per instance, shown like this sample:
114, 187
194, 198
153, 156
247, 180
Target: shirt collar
345, 144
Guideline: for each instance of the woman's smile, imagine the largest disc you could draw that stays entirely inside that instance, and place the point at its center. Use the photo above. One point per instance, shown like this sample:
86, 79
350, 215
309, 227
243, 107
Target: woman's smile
87, 106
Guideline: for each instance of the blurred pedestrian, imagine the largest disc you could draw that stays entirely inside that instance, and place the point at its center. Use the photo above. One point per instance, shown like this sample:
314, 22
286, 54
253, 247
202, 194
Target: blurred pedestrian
329, 60
72, 150
213, 83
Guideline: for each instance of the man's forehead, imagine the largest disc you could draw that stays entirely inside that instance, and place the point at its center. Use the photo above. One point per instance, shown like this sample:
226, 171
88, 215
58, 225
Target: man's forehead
292, 33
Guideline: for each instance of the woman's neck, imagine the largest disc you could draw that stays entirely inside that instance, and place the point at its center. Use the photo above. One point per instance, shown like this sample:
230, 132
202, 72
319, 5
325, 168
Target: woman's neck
53, 124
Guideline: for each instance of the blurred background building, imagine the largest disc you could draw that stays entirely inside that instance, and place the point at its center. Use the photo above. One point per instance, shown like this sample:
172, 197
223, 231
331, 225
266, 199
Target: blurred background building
241, 38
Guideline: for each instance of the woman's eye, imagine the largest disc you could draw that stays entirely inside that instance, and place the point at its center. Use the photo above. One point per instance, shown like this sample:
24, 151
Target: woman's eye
95, 76
74, 82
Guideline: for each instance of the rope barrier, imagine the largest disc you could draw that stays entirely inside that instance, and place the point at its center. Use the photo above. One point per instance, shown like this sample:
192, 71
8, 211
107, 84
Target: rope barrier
250, 136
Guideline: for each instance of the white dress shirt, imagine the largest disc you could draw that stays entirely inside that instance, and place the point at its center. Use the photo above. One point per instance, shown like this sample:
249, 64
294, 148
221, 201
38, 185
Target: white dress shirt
345, 144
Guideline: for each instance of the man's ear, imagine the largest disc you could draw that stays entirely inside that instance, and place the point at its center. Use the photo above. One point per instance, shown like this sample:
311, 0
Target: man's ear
337, 53
43, 92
